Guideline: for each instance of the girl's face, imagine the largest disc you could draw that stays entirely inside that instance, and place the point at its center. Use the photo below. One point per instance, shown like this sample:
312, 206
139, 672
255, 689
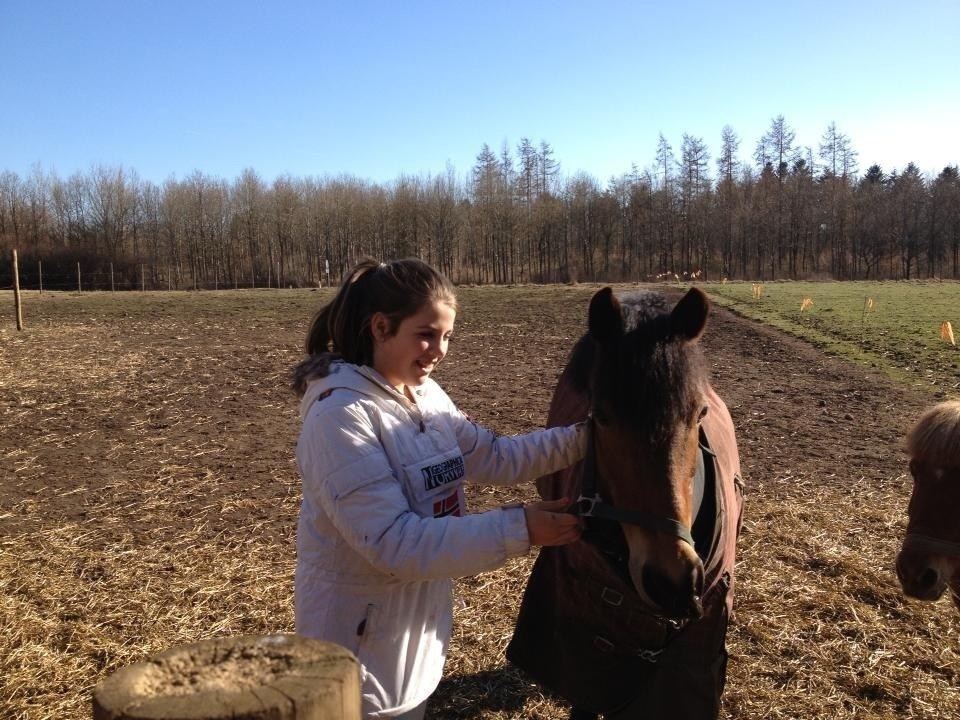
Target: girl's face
409, 356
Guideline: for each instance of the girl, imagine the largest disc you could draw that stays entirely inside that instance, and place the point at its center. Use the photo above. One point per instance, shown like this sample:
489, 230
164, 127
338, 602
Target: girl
383, 454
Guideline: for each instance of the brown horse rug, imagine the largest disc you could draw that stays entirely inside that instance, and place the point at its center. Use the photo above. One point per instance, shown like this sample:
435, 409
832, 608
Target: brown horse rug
583, 632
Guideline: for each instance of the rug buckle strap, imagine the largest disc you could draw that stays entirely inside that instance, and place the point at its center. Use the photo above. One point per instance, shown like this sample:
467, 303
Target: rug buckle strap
602, 644
611, 597
650, 656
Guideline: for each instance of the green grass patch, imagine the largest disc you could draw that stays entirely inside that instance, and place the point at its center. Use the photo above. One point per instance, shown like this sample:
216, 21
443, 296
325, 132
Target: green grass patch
899, 335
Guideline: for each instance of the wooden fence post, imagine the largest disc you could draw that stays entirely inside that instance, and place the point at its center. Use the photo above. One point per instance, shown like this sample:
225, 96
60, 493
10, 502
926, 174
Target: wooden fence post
16, 291
143, 287
79, 289
112, 289
282, 677
40, 274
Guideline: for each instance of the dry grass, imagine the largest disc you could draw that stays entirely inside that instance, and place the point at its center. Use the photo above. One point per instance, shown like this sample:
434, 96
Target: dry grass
149, 500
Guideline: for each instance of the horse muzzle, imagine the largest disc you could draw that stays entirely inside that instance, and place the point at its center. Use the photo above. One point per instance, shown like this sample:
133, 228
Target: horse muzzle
926, 565
921, 576
673, 595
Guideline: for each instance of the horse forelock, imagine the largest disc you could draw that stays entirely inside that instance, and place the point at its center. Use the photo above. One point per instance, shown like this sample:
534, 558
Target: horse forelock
641, 307
655, 382
648, 378
934, 441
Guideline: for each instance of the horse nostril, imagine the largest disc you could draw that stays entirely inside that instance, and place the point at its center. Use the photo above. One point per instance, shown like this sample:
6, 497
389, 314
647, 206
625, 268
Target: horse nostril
676, 599
658, 587
929, 578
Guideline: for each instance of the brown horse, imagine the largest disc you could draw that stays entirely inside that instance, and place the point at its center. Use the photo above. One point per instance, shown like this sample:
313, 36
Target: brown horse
632, 620
929, 560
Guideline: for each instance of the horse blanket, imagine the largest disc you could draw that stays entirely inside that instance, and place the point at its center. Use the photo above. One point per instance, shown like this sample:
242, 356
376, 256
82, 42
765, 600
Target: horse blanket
583, 632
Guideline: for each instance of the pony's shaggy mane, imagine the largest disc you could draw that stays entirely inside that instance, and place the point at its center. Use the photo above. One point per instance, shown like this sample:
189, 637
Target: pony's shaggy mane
935, 439
651, 378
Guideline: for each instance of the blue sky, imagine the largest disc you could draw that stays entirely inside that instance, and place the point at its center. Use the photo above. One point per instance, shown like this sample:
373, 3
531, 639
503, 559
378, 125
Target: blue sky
376, 89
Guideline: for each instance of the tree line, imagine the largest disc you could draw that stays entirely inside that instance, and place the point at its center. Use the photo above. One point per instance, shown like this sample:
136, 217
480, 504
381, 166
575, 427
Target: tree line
791, 212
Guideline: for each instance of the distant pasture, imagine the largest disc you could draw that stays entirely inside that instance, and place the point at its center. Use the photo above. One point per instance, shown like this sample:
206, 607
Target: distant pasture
893, 326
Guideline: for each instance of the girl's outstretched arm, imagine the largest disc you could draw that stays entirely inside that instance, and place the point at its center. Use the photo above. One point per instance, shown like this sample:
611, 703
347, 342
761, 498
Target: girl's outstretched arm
509, 460
346, 472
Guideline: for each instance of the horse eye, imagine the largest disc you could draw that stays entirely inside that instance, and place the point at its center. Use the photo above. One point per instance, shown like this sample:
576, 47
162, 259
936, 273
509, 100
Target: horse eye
703, 412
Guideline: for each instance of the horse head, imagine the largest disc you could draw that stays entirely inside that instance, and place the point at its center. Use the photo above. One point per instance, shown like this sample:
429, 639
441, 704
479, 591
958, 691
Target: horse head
929, 559
647, 386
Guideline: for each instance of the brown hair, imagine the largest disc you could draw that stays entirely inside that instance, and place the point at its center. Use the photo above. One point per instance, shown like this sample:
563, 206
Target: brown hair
397, 289
935, 439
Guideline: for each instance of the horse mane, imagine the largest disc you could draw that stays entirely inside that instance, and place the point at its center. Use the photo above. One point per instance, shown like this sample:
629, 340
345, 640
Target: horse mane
935, 438
653, 378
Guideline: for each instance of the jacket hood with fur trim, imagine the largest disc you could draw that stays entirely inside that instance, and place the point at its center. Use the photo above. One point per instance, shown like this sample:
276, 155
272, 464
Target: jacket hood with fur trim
320, 373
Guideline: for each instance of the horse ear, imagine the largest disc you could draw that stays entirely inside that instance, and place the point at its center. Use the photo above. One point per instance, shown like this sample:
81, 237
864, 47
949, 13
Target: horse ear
689, 317
604, 319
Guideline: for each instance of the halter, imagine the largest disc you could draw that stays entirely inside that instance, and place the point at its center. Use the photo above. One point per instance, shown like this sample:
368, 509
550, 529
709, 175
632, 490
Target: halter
932, 545
590, 504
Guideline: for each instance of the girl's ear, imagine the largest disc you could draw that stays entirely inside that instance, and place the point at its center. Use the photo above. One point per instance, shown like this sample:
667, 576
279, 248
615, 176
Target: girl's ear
379, 327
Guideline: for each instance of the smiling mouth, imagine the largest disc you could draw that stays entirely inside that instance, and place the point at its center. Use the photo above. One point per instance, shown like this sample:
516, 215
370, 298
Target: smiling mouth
426, 368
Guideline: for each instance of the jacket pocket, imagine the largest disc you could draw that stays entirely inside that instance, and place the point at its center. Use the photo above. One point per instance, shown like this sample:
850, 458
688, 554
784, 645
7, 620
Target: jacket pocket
433, 484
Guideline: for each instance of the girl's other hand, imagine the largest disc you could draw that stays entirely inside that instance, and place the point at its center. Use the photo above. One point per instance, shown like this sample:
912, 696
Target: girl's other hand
548, 524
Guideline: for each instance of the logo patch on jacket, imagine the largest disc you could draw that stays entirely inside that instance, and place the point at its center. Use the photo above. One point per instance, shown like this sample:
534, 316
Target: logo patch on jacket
442, 473
450, 505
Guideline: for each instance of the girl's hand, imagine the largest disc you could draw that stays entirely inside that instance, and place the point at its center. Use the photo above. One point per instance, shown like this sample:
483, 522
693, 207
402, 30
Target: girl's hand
548, 524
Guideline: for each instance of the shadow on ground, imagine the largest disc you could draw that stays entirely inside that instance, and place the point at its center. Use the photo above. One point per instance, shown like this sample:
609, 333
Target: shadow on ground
501, 690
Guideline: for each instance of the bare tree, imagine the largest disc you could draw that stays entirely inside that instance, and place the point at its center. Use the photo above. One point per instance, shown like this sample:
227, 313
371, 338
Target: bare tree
870, 223
110, 204
943, 233
249, 201
513, 217
908, 199
727, 197
695, 202
12, 209
549, 168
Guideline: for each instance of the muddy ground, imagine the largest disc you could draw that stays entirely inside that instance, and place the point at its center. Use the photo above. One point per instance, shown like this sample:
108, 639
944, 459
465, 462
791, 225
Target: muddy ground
148, 498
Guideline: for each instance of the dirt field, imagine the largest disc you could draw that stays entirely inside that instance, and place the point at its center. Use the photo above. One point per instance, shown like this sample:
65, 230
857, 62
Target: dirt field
149, 499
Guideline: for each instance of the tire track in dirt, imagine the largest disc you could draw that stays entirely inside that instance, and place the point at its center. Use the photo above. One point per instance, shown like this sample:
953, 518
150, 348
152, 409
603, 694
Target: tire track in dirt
799, 411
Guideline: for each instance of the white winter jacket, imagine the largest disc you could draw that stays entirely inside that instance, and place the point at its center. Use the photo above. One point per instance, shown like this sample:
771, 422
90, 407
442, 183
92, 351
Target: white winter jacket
383, 525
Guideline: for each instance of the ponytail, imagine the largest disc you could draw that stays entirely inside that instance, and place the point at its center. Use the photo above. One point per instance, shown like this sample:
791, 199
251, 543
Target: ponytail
344, 311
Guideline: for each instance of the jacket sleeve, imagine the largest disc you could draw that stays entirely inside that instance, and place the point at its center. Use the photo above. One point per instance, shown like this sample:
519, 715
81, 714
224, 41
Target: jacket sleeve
346, 472
509, 460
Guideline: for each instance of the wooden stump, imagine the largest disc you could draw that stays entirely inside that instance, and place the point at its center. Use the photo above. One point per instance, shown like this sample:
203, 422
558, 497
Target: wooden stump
280, 677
